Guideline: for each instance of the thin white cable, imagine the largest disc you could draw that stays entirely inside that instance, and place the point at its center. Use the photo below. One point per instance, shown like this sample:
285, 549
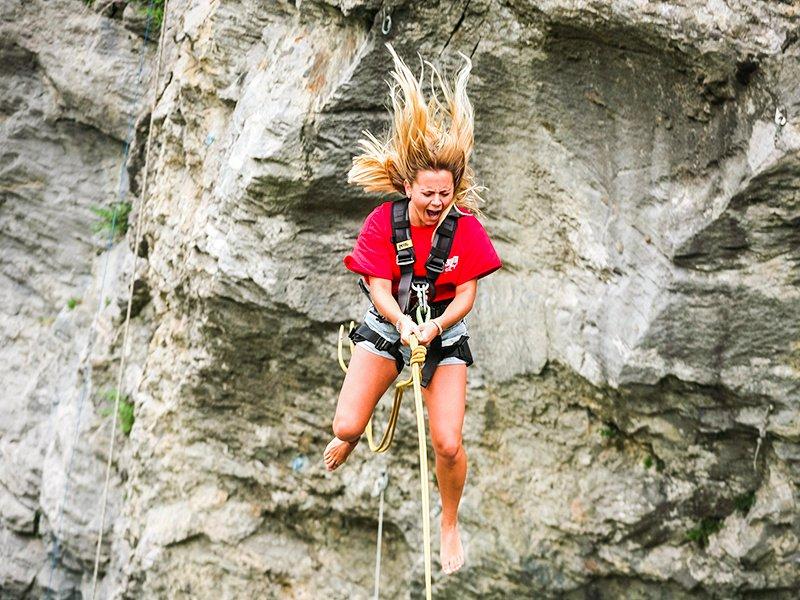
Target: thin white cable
86, 370
380, 487
139, 220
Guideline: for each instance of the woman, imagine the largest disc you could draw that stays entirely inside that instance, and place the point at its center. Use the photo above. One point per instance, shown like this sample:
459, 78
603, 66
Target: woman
426, 159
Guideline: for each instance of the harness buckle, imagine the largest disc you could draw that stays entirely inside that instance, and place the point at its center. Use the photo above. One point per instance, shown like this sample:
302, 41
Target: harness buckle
435, 264
408, 259
382, 344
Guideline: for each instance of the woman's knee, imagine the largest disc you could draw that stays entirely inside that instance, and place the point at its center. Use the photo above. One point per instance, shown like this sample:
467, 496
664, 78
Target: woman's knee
447, 447
347, 428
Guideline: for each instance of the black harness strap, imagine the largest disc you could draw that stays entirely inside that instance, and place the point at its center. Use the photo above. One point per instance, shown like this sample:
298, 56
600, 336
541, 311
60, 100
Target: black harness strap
436, 353
440, 250
364, 332
401, 238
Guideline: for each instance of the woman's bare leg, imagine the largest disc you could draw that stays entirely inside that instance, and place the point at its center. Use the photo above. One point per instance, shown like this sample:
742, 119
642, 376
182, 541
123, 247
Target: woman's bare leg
368, 377
446, 401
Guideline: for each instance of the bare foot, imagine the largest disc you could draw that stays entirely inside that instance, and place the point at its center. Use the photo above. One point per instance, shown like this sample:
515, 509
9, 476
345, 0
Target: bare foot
451, 553
336, 452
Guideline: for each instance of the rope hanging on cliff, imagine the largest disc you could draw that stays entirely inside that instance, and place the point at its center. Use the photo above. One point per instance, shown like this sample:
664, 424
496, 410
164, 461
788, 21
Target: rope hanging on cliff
418, 353
91, 336
137, 240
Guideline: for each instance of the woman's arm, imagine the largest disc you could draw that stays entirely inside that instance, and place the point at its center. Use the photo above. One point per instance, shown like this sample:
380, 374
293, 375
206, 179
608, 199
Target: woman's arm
455, 311
461, 304
380, 290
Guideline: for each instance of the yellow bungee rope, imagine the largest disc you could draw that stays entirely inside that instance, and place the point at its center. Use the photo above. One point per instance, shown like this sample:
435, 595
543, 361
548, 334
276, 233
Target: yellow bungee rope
418, 353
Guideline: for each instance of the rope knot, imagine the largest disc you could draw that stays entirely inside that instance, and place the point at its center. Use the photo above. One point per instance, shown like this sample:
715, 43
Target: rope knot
418, 355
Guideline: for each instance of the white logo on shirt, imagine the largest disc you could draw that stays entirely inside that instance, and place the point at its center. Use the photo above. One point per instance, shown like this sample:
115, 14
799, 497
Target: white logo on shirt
450, 264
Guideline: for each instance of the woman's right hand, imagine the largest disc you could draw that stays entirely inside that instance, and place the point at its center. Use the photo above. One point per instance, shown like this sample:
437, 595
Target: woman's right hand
407, 327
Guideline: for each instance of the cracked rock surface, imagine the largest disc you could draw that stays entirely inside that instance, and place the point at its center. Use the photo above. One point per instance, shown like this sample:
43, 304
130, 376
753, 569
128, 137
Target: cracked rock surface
633, 419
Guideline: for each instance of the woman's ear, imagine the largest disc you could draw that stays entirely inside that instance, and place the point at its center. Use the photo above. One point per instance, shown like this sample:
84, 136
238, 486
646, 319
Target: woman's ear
408, 188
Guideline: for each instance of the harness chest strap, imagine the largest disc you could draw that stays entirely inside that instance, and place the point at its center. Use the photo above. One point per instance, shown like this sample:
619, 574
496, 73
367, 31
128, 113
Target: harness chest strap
404, 248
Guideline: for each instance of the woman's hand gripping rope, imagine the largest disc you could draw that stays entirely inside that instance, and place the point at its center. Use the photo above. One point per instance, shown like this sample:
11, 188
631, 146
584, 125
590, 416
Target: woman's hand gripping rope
406, 327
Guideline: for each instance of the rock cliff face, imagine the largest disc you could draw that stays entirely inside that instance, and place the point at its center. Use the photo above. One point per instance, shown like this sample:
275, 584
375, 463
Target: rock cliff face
633, 422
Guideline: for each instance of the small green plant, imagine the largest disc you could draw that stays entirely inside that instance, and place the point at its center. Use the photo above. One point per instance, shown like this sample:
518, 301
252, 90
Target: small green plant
154, 11
744, 502
609, 432
706, 527
124, 413
73, 302
108, 221
652, 459
612, 435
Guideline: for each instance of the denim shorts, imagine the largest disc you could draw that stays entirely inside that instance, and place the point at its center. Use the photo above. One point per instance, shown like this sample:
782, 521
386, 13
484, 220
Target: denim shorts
450, 336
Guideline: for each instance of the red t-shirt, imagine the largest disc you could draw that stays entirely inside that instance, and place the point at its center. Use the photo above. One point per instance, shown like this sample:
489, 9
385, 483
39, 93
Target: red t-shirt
472, 255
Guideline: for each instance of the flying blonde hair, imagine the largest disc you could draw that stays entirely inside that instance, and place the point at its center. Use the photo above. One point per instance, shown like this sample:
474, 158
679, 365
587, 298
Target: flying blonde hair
424, 136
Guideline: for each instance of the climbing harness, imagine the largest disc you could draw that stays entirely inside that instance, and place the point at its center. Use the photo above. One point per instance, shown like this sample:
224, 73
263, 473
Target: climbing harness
423, 310
436, 352
418, 353
441, 245
440, 250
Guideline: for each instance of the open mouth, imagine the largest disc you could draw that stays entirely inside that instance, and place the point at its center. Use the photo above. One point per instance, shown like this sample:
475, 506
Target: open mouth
433, 214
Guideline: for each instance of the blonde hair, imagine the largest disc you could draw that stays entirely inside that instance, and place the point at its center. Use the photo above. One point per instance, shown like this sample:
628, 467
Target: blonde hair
424, 136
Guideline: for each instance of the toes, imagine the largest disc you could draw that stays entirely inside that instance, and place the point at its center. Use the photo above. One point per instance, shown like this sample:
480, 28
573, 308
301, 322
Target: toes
329, 455
452, 566
330, 462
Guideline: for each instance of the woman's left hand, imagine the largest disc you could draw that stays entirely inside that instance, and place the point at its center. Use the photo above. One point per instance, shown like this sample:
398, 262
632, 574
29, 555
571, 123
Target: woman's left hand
428, 332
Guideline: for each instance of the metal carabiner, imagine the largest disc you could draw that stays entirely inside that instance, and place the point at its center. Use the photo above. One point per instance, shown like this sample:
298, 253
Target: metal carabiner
386, 26
423, 309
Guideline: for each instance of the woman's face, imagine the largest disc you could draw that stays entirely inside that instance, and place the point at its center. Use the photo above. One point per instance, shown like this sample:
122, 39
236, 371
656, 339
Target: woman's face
431, 193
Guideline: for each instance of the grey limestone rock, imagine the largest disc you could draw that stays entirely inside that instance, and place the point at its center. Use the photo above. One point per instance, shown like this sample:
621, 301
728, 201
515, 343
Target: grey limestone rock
633, 420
